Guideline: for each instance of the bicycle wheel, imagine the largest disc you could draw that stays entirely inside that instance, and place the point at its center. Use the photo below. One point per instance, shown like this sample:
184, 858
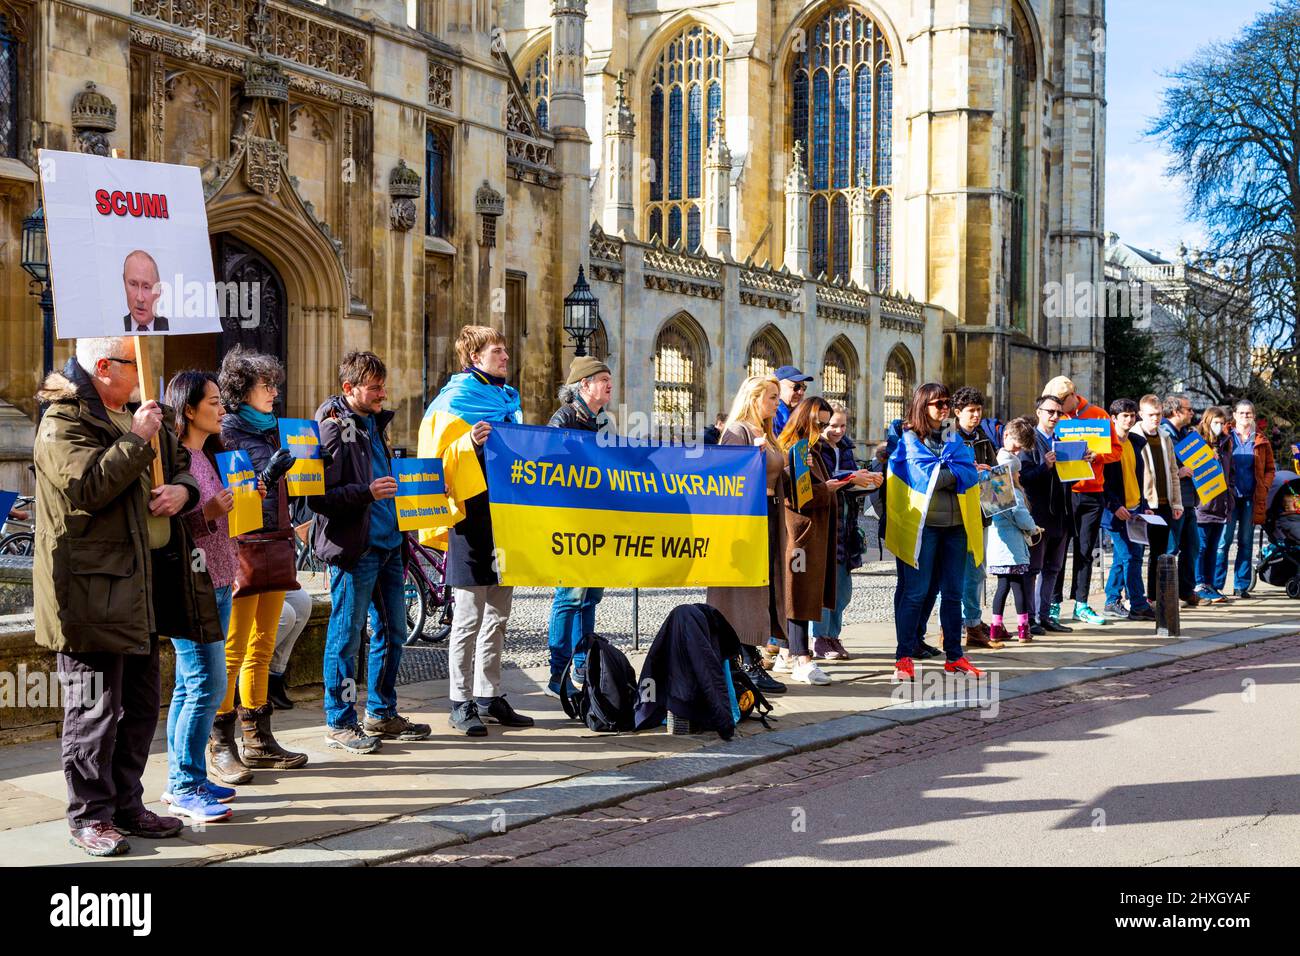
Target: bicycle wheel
20, 543
417, 603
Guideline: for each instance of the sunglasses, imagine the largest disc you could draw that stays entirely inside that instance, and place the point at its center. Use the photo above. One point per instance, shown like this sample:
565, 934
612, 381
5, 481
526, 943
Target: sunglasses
120, 360
941, 403
1051, 412
801, 387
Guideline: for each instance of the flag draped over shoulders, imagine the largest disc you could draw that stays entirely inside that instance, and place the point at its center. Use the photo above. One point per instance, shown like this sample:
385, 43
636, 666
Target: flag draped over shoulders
910, 482
467, 399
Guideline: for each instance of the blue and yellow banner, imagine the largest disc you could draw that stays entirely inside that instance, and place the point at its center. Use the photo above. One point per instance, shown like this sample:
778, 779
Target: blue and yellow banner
572, 509
909, 485
237, 474
421, 493
1095, 431
302, 437
1207, 473
802, 473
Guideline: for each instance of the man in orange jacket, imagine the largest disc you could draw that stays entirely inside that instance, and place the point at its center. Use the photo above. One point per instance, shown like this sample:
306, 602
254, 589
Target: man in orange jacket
1089, 501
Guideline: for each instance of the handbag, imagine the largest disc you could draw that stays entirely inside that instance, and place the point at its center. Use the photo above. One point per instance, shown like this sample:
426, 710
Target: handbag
267, 559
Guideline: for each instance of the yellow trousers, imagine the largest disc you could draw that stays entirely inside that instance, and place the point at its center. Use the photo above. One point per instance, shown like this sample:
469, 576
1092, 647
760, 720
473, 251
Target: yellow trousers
250, 644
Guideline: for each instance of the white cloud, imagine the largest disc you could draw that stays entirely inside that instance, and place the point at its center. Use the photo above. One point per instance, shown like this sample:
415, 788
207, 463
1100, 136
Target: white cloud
1146, 207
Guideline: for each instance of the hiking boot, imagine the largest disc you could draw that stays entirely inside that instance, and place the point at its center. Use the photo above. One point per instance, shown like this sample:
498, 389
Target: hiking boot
464, 717
1147, 613
1087, 615
763, 680
395, 727
353, 739
276, 693
976, 636
260, 746
146, 823
100, 839
1116, 611
223, 753
499, 711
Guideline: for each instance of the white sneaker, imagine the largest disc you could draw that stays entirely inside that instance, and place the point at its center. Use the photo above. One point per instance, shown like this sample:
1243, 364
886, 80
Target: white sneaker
809, 673
784, 664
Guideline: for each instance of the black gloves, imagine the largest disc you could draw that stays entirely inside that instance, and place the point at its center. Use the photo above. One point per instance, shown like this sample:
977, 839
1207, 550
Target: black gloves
276, 468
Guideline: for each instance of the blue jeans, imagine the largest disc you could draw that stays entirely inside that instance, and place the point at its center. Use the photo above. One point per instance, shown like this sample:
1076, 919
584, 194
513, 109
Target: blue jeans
1206, 559
373, 587
573, 617
941, 570
1241, 525
1126, 571
200, 686
832, 621
971, 590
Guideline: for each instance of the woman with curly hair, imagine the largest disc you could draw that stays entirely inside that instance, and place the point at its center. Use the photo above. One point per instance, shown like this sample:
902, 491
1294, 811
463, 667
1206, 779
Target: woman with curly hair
250, 382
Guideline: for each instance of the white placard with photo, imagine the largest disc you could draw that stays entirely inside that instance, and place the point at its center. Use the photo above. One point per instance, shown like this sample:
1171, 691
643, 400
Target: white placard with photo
129, 247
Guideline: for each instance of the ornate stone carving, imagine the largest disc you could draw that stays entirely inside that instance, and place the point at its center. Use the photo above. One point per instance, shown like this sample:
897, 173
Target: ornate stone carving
672, 270
606, 255
489, 204
768, 289
265, 80
401, 214
94, 116
404, 188
439, 84
848, 303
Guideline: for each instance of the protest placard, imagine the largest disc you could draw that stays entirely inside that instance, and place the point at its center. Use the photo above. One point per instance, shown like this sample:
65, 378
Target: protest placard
129, 248
802, 473
302, 437
237, 474
421, 493
570, 511
997, 490
1207, 473
1094, 431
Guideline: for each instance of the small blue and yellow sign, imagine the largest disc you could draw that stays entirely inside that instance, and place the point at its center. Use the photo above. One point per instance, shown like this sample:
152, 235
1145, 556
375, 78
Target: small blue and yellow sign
801, 473
421, 493
302, 437
1095, 431
1207, 473
237, 474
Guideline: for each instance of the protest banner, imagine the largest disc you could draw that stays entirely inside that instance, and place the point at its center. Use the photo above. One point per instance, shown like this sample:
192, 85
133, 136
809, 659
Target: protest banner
1070, 465
128, 246
571, 511
1207, 473
421, 493
302, 437
237, 474
802, 473
1094, 431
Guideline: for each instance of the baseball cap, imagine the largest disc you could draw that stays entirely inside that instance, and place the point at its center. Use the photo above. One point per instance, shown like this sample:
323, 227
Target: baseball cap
792, 373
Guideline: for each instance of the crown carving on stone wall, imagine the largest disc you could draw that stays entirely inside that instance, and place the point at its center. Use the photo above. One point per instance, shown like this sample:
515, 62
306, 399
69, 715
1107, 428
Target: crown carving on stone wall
489, 202
264, 80
403, 181
92, 110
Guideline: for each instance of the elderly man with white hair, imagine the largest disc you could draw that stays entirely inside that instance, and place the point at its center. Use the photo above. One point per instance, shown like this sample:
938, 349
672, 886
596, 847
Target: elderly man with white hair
101, 520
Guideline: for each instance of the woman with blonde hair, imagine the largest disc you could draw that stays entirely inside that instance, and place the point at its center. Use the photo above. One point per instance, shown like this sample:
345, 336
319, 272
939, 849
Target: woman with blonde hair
757, 613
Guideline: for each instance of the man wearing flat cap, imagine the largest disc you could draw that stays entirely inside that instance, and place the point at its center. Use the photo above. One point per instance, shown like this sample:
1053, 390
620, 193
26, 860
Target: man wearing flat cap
583, 398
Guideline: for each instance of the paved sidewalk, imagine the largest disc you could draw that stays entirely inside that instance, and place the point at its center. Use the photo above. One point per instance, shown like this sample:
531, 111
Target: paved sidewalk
419, 797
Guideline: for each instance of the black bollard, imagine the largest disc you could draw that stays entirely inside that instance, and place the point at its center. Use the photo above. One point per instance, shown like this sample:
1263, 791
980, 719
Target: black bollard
1166, 596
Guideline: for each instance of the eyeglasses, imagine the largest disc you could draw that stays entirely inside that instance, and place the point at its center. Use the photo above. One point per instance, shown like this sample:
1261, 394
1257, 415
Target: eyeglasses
800, 387
120, 360
941, 403
1051, 412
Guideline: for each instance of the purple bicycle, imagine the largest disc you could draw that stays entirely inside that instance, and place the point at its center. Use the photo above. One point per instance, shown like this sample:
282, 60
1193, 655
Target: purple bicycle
428, 599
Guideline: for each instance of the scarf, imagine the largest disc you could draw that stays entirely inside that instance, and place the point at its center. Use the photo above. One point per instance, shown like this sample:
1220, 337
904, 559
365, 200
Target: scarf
1128, 466
475, 396
262, 421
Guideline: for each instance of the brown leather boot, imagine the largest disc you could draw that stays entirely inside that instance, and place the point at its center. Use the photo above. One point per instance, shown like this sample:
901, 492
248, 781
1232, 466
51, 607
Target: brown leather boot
260, 746
978, 636
223, 753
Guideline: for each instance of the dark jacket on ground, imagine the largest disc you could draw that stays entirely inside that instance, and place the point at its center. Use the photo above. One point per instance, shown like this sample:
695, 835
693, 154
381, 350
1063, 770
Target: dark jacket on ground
92, 574
238, 435
1049, 497
684, 667
343, 512
1113, 474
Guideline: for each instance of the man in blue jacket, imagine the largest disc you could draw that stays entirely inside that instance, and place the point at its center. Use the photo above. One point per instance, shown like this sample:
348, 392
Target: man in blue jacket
794, 385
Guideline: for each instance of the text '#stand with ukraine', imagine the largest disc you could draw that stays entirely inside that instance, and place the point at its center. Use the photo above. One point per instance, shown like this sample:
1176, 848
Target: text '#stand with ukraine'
570, 509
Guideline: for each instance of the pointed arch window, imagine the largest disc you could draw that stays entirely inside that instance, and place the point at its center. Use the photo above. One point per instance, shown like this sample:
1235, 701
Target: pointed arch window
1018, 264
536, 81
437, 170
841, 109
679, 381
900, 382
684, 97
768, 352
840, 374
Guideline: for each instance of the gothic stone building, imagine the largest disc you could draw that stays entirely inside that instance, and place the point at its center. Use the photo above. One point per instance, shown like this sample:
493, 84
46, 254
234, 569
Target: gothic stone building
877, 191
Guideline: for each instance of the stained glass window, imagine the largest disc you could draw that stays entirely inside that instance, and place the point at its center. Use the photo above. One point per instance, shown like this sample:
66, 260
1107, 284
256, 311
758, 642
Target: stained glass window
8, 91
693, 228
536, 81
435, 172
884, 278
841, 109
689, 75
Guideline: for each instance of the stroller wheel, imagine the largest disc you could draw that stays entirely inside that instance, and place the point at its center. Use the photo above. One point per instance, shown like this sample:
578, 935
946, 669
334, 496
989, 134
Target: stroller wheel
1293, 588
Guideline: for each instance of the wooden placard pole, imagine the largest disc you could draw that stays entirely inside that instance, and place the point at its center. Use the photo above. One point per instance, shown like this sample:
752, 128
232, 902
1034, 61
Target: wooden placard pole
144, 371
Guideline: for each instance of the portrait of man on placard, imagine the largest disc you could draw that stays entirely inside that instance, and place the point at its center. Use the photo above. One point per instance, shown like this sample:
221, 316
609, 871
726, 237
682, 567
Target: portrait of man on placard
143, 286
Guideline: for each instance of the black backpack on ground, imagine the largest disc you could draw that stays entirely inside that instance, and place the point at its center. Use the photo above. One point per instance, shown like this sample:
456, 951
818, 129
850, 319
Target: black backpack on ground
606, 702
749, 699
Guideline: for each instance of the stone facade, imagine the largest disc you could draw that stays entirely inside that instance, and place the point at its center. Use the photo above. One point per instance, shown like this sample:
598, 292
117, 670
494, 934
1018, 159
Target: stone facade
307, 119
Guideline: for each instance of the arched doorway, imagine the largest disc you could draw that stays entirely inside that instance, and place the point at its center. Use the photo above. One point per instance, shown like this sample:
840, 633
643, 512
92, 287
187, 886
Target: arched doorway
253, 308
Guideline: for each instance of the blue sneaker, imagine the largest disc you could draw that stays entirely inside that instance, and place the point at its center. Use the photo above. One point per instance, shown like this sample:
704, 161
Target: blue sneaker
217, 792
198, 806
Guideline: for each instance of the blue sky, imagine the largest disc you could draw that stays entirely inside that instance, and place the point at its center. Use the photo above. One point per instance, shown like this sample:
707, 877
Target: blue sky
1145, 38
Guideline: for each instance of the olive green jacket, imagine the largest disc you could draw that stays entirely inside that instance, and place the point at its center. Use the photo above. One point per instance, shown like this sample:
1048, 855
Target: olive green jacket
92, 575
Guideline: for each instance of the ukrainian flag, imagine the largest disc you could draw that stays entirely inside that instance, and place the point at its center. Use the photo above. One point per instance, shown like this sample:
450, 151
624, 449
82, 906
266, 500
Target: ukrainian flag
468, 398
909, 485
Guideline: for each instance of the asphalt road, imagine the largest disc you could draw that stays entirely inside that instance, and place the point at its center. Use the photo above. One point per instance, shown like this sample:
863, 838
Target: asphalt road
1194, 769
